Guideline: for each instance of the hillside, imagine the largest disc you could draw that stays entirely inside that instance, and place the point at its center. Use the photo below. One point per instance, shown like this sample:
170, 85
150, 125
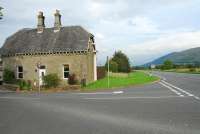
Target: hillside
190, 56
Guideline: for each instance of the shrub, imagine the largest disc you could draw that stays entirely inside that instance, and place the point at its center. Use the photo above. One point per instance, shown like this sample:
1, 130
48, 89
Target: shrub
192, 69
24, 85
51, 80
8, 76
72, 79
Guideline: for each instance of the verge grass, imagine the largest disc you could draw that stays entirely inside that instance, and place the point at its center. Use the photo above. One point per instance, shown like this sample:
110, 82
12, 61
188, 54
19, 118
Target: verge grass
133, 78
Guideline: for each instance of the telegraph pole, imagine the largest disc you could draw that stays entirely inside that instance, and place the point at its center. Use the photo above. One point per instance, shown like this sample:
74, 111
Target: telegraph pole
108, 71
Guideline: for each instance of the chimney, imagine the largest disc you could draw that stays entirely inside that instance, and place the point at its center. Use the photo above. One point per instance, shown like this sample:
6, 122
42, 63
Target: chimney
41, 25
57, 23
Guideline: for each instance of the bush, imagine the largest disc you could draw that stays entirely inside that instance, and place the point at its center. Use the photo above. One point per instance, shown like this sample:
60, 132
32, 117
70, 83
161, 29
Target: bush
51, 80
8, 76
72, 79
24, 85
192, 69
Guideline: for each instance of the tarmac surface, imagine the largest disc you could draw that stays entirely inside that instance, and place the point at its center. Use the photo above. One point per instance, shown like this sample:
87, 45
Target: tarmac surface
171, 106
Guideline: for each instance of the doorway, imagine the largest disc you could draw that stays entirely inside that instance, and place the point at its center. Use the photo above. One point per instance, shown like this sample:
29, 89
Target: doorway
42, 73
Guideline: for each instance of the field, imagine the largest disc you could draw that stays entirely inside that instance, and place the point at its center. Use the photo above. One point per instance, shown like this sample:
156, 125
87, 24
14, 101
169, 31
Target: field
133, 78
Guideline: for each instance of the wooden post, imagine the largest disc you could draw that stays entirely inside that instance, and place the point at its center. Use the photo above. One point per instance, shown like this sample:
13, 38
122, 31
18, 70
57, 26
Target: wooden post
108, 71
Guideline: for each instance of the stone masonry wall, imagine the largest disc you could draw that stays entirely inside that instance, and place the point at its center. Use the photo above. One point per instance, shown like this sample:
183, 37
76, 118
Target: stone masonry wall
80, 64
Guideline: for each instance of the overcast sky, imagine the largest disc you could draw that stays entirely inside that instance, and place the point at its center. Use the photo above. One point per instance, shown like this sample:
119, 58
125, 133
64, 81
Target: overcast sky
143, 29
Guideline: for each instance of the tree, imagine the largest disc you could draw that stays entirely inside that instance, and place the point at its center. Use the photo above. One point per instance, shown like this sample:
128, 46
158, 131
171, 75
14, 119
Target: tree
1, 14
168, 64
113, 66
122, 61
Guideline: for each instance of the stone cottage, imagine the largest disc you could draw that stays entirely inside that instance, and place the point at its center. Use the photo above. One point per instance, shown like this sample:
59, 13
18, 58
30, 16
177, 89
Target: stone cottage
33, 53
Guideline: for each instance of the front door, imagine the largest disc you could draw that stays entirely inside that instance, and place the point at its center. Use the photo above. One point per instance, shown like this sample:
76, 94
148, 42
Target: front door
42, 73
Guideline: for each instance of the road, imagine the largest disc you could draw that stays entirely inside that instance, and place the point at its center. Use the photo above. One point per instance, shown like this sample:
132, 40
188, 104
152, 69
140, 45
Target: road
171, 106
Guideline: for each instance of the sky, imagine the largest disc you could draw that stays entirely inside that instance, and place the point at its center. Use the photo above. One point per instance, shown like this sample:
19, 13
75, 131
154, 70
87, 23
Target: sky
142, 29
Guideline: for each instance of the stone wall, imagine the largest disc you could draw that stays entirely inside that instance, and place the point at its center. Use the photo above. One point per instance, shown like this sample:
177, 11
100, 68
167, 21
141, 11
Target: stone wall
80, 64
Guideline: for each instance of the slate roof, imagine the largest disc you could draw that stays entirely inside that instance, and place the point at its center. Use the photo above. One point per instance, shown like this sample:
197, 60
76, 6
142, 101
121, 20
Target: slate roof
73, 38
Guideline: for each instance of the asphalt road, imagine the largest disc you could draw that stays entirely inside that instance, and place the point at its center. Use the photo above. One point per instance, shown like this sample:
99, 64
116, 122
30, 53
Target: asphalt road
171, 106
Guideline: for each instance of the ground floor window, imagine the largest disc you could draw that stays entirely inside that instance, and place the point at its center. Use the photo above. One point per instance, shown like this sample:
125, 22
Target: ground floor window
20, 72
65, 71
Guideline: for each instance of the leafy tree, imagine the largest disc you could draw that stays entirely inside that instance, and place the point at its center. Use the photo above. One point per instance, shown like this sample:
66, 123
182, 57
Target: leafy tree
113, 66
122, 61
1, 14
119, 63
168, 64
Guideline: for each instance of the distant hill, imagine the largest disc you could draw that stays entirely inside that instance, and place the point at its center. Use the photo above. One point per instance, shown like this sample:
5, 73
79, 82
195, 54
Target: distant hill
190, 56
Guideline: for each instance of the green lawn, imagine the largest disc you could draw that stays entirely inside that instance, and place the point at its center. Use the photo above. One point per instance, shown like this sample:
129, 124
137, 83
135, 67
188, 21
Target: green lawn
134, 78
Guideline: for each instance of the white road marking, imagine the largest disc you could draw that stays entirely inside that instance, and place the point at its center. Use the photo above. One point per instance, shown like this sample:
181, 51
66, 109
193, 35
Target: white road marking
118, 92
123, 98
173, 90
181, 90
95, 93
103, 93
196, 97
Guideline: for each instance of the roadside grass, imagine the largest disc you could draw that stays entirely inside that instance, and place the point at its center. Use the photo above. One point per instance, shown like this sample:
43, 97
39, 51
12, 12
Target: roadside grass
133, 78
185, 70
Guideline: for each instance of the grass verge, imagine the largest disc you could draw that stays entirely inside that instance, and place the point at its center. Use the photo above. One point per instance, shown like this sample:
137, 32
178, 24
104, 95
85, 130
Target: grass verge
185, 70
134, 78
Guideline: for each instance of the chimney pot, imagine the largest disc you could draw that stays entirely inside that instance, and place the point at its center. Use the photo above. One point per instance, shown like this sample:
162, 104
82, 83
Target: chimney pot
57, 22
41, 24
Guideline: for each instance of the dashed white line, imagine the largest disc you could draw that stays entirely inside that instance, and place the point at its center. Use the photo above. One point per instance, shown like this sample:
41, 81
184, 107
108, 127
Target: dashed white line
181, 90
189, 94
173, 90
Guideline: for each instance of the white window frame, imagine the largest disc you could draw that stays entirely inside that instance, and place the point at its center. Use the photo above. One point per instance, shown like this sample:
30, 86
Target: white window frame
65, 71
20, 72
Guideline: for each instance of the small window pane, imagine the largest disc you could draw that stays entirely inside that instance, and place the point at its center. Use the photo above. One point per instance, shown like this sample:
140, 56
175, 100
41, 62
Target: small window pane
66, 74
42, 67
66, 67
66, 71
20, 69
20, 75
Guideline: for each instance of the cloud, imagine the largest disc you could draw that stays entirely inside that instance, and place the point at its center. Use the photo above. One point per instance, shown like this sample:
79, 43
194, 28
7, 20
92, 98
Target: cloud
149, 25
150, 50
144, 25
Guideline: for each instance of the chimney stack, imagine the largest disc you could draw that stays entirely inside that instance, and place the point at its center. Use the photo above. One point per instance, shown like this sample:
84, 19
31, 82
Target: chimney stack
57, 23
41, 25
